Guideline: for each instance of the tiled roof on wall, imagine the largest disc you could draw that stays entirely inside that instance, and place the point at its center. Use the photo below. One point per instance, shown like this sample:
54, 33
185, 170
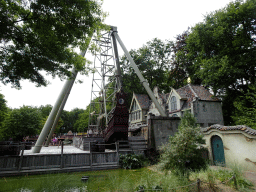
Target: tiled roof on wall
143, 100
244, 128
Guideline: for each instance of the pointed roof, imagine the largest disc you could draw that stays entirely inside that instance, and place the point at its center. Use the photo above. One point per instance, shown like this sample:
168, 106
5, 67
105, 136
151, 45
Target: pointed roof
196, 91
143, 100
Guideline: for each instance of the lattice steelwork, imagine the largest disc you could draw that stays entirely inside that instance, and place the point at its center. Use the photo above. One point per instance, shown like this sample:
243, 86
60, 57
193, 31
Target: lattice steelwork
104, 85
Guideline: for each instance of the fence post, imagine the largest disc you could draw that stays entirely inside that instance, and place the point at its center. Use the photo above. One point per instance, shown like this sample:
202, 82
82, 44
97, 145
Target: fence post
235, 182
21, 156
198, 185
117, 151
90, 148
61, 156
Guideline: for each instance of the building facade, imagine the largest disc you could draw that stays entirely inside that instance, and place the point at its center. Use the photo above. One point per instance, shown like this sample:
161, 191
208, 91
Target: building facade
199, 101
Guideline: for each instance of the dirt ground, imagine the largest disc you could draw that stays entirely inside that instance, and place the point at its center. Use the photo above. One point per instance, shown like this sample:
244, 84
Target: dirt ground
251, 176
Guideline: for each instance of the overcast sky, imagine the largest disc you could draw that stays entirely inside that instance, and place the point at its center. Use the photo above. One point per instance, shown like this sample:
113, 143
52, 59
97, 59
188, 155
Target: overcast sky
137, 21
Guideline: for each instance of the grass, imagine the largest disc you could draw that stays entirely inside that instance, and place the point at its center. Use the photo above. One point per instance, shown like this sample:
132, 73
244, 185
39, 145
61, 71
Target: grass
107, 180
120, 180
214, 178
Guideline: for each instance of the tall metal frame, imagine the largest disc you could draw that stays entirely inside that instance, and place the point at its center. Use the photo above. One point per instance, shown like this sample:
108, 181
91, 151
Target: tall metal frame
105, 83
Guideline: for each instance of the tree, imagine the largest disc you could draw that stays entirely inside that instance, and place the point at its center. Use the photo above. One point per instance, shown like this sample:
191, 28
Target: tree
153, 60
22, 122
180, 67
66, 124
183, 153
81, 124
220, 53
58, 126
223, 47
41, 36
73, 117
3, 109
45, 110
245, 109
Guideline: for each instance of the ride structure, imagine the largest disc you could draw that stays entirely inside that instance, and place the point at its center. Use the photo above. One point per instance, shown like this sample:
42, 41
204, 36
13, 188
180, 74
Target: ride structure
116, 119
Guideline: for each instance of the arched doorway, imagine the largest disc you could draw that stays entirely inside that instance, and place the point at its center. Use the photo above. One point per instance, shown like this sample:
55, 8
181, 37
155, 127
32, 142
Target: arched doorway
217, 151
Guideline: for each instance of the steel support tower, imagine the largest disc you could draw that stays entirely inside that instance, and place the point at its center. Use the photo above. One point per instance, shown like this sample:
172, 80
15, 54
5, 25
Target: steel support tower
105, 83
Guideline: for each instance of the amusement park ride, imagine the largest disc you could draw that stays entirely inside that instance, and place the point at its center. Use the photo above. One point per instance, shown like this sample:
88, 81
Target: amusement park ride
107, 82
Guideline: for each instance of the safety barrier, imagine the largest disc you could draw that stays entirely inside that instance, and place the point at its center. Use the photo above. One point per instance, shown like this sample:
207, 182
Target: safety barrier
48, 162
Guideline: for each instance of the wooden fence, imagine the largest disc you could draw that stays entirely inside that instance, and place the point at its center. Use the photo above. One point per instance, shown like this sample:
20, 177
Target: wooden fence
24, 163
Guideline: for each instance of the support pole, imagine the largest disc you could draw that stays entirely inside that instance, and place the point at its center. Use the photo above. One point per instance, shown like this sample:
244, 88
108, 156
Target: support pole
57, 118
68, 85
142, 80
119, 77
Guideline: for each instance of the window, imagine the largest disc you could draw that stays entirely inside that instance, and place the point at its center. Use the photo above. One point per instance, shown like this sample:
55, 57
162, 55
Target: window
134, 107
204, 108
173, 103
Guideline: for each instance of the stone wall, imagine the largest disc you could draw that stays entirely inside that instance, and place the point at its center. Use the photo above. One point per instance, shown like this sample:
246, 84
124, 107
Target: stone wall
160, 129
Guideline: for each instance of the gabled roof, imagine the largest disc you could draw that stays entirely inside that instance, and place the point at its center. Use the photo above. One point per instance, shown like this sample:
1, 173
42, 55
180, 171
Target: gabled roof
189, 93
143, 100
196, 91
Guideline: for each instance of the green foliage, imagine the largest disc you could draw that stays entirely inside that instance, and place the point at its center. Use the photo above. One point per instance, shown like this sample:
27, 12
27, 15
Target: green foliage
81, 124
107, 180
222, 48
45, 110
183, 153
41, 35
220, 53
73, 117
143, 187
22, 122
153, 60
246, 109
132, 161
58, 126
224, 175
3, 109
66, 123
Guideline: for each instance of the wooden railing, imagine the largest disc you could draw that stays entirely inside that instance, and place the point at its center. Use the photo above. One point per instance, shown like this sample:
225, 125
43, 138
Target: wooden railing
61, 161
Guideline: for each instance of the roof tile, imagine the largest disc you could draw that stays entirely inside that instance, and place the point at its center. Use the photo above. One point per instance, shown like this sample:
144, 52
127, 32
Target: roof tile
143, 100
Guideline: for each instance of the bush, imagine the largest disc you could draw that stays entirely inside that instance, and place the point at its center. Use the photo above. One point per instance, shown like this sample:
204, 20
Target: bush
183, 153
132, 161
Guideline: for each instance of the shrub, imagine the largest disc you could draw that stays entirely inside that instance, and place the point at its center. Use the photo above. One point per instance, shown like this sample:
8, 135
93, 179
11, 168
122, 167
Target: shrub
183, 153
132, 161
